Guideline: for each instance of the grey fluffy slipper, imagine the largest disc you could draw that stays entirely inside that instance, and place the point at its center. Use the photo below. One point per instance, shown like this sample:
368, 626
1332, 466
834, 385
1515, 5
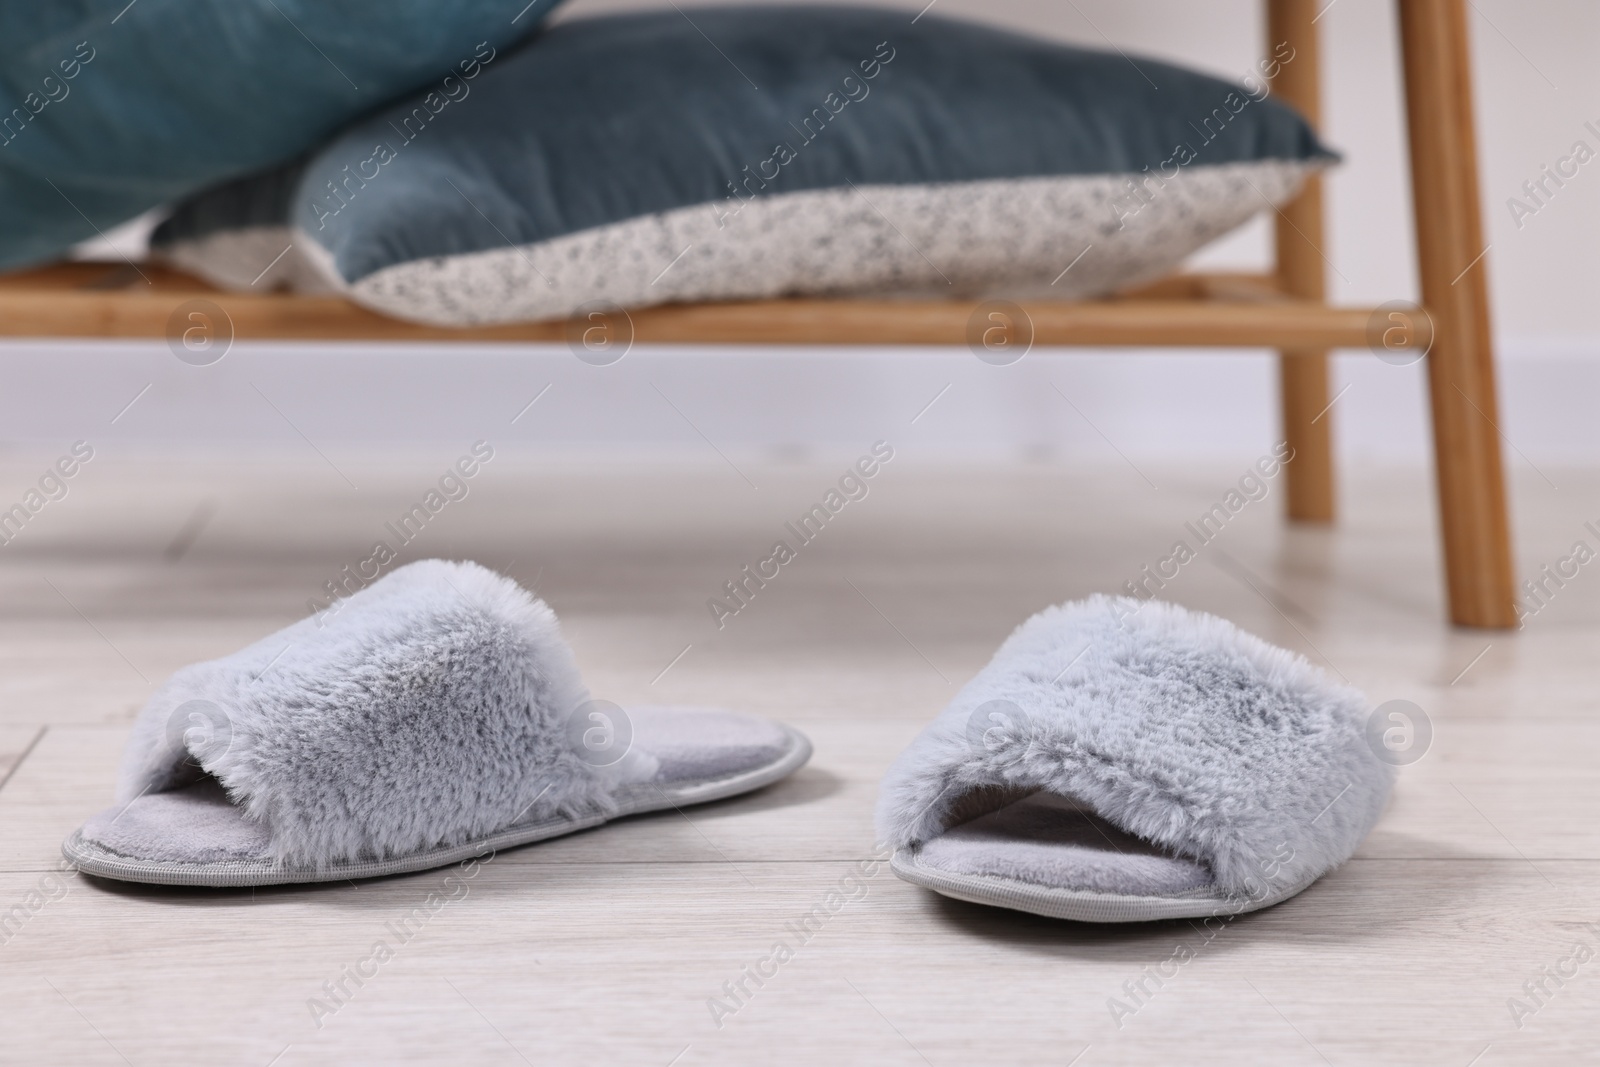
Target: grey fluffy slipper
1121, 760
434, 716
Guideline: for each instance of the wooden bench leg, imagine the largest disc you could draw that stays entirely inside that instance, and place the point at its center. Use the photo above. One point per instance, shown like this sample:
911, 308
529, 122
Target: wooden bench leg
1303, 379
1303, 375
1453, 263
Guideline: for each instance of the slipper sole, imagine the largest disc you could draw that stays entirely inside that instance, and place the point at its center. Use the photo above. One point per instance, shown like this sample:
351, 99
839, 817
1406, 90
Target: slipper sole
93, 859
1080, 905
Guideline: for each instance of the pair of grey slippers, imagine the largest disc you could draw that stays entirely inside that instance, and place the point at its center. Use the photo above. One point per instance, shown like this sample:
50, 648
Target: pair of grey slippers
1116, 761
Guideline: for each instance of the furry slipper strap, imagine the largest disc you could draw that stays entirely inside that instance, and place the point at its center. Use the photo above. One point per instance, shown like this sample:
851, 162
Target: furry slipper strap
1174, 726
430, 708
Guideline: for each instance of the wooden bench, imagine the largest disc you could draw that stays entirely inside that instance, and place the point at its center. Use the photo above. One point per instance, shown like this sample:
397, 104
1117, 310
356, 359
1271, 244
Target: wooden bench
1285, 310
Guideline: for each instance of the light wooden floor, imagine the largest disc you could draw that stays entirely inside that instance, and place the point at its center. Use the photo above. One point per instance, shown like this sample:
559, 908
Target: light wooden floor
606, 947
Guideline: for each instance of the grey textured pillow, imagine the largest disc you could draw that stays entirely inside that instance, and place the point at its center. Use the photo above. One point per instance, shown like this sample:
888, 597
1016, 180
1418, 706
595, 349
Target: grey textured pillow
757, 152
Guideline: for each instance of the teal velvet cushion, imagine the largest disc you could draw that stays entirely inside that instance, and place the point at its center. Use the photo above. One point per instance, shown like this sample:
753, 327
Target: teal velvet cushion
109, 108
756, 151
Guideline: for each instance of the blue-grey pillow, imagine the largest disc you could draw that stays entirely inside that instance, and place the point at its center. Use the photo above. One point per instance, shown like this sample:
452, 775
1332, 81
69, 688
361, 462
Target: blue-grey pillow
734, 153
109, 107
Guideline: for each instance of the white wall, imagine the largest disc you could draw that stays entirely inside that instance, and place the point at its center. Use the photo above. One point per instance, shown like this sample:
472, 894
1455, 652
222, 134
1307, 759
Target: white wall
1536, 86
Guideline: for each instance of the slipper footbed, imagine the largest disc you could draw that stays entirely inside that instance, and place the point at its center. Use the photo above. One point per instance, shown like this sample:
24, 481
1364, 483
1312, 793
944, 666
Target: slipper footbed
1054, 842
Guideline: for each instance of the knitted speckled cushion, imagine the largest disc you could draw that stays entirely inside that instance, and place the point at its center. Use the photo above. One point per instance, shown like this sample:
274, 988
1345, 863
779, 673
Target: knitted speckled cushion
754, 152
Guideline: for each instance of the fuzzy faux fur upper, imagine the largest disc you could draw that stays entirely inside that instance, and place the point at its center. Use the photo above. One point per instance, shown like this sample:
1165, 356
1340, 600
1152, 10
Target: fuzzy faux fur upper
428, 709
1174, 725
